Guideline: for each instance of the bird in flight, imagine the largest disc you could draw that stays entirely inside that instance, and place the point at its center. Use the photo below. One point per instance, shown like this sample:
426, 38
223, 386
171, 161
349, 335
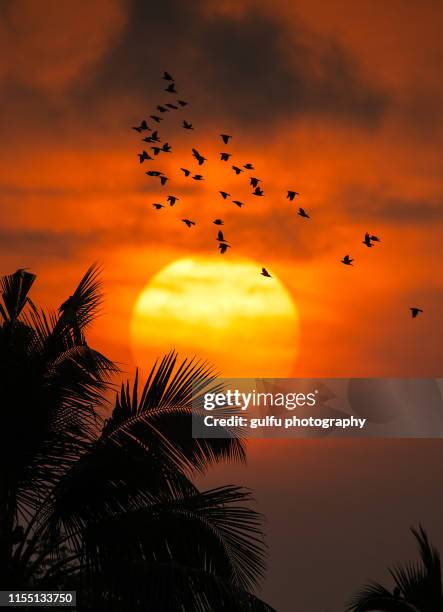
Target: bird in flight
156, 118
182, 102
172, 199
347, 260
218, 222
187, 126
223, 247
142, 127
303, 213
166, 148
264, 272
162, 109
153, 173
167, 76
143, 155
367, 240
198, 177
248, 166
188, 222
224, 194
152, 138
201, 160
171, 88
225, 138
185, 171
163, 180
156, 150
258, 192
169, 105
291, 195
225, 156
415, 312
157, 206
254, 181
237, 203
220, 237
237, 170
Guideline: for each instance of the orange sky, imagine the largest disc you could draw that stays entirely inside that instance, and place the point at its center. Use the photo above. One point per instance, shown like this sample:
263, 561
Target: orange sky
339, 100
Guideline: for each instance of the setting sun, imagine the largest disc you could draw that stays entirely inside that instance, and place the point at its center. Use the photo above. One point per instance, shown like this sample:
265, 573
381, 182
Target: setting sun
220, 310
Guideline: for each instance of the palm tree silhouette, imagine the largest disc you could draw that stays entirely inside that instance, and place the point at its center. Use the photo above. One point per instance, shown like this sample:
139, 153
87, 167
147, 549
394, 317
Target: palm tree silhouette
108, 507
418, 586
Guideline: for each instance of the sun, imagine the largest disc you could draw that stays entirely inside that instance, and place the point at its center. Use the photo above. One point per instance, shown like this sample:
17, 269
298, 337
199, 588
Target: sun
219, 310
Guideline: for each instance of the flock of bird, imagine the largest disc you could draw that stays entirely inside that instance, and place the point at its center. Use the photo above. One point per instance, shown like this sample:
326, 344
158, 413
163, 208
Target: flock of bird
158, 147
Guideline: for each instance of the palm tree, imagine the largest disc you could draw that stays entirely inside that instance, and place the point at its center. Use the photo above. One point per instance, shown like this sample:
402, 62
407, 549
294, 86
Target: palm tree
108, 507
418, 587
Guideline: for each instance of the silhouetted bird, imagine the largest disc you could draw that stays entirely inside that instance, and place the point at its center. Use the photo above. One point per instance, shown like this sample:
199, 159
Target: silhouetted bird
167, 76
163, 180
225, 156
198, 177
375, 238
224, 195
162, 109
156, 150
254, 181
347, 260
187, 126
237, 170
142, 127
220, 237
303, 213
248, 167
188, 222
223, 247
415, 312
225, 138
185, 171
152, 138
143, 155
182, 102
172, 199
201, 160
153, 173
156, 118
264, 272
166, 148
237, 203
158, 206
171, 106
258, 192
291, 195
367, 240
171, 88
218, 222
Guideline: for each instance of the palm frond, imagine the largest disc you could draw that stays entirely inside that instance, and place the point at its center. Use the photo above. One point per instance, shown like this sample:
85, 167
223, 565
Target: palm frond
14, 289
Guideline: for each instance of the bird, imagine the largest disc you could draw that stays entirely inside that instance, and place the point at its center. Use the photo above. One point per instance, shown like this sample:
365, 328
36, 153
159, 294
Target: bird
142, 127
143, 155
156, 150
254, 181
185, 171
223, 247
220, 237
367, 240
201, 160
182, 102
158, 206
162, 109
375, 238
248, 166
258, 192
156, 118
225, 138
224, 194
152, 138
264, 272
188, 222
167, 76
169, 105
237, 203
166, 148
163, 180
187, 126
237, 170
198, 177
224, 156
347, 260
153, 173
172, 199
291, 195
171, 88
303, 213
218, 222
415, 311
